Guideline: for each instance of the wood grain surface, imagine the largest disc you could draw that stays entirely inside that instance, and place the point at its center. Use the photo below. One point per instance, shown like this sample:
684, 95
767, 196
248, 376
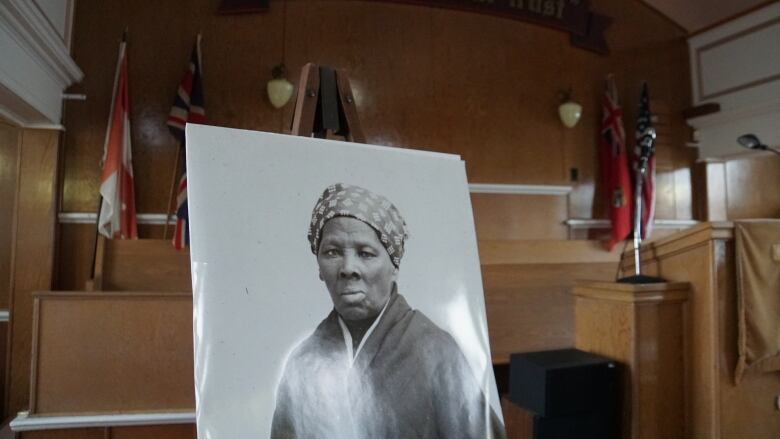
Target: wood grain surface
33, 253
642, 327
716, 407
9, 167
112, 353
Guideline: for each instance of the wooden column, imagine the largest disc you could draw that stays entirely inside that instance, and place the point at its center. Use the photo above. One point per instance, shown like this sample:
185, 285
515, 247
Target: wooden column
641, 326
709, 191
32, 256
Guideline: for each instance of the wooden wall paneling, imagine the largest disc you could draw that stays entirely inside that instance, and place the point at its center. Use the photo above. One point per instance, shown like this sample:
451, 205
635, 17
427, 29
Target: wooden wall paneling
71, 433
113, 352
683, 194
503, 134
709, 187
527, 286
33, 253
3, 357
234, 85
529, 307
9, 166
127, 266
175, 431
499, 216
665, 203
752, 187
74, 255
452, 81
393, 92
183, 431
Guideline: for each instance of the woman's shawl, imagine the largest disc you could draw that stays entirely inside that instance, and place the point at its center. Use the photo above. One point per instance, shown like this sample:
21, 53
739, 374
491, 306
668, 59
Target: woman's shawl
410, 380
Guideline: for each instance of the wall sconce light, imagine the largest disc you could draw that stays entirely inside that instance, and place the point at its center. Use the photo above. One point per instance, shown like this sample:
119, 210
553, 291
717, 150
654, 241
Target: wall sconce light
279, 89
569, 111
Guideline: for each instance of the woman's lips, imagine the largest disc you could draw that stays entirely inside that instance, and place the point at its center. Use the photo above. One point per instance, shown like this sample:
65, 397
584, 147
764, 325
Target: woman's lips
352, 295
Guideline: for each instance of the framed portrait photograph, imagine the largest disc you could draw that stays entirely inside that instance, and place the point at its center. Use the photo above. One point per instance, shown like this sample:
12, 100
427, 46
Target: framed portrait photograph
337, 291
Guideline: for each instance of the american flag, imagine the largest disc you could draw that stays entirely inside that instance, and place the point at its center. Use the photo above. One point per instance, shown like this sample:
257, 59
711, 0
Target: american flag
644, 126
187, 107
616, 179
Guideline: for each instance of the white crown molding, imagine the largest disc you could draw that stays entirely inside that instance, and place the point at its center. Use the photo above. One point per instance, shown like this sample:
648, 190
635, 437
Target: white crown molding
36, 35
25, 422
519, 189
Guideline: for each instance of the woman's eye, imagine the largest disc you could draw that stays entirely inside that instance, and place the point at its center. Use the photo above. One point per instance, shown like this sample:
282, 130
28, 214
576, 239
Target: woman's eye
365, 254
331, 252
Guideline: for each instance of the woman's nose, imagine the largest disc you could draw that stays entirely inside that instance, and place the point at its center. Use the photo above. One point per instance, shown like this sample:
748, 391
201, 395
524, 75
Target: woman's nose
349, 266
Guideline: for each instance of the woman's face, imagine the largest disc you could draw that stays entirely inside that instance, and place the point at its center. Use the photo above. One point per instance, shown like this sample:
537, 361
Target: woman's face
355, 267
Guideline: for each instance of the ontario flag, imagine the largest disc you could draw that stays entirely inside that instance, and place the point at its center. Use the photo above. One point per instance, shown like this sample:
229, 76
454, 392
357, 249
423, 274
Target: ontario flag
188, 106
616, 179
644, 124
117, 210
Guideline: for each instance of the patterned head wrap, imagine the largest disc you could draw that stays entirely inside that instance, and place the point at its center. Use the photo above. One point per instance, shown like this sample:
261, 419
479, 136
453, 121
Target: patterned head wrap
362, 204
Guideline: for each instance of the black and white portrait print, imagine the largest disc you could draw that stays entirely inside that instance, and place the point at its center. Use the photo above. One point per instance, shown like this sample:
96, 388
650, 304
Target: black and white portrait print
337, 291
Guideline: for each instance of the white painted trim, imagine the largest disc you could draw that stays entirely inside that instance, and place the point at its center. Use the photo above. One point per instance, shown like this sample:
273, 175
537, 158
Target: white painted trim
36, 34
518, 189
5, 315
90, 218
45, 126
585, 223
474, 188
25, 422
673, 223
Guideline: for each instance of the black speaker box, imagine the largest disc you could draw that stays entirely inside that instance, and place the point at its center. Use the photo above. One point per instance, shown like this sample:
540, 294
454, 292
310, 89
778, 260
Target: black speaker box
563, 382
595, 425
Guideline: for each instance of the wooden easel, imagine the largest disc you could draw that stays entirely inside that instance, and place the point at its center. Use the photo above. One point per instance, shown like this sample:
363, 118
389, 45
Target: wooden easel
325, 103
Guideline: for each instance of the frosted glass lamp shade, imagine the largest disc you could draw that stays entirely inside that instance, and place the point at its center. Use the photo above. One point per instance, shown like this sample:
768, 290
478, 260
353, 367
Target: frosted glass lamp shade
570, 113
280, 91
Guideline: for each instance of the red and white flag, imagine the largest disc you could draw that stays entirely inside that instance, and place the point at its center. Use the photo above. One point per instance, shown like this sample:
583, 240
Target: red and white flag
117, 211
616, 179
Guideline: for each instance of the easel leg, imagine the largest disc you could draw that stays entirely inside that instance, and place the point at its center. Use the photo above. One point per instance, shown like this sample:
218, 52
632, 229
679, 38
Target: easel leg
173, 190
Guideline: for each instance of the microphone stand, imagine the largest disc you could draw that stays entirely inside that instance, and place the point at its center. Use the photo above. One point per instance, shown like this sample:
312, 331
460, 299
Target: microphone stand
641, 171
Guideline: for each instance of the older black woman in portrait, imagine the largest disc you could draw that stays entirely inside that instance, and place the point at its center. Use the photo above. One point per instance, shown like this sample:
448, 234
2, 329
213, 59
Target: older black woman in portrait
374, 367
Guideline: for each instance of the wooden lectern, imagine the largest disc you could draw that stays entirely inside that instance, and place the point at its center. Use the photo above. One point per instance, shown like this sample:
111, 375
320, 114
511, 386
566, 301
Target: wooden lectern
642, 327
712, 405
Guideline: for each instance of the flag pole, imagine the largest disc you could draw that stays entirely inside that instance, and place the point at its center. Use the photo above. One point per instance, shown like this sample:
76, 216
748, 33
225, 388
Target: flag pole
641, 171
173, 189
640, 176
646, 136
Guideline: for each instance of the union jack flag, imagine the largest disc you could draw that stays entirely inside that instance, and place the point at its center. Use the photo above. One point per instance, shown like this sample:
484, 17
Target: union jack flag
188, 106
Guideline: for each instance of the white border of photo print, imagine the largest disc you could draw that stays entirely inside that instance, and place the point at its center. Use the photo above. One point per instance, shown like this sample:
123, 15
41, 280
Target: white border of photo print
256, 286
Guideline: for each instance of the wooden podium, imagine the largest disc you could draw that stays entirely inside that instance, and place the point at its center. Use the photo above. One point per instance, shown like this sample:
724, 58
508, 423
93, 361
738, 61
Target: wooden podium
641, 326
713, 405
